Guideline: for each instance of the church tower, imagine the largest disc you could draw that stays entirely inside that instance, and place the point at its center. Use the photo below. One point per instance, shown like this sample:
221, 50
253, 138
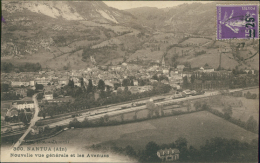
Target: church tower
163, 62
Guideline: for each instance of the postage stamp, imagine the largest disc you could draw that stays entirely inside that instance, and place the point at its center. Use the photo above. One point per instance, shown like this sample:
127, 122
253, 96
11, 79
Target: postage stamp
237, 21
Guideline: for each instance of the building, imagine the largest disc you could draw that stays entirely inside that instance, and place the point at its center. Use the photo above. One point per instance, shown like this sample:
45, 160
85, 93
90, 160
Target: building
43, 81
110, 84
48, 94
252, 71
32, 83
166, 71
22, 92
66, 99
180, 68
19, 84
63, 81
207, 69
37, 130
23, 104
139, 89
77, 84
168, 154
163, 62
135, 82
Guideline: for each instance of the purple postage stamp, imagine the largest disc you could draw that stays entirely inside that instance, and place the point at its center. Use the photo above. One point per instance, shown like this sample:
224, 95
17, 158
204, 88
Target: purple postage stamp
237, 21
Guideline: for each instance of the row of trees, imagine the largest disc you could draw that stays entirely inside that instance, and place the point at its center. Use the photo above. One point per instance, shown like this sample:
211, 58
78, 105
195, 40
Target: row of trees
23, 116
250, 125
10, 96
216, 149
85, 97
248, 95
154, 112
243, 81
86, 100
160, 78
200, 53
7, 67
4, 87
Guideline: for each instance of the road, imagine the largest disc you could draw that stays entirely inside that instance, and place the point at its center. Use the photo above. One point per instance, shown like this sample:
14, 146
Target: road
33, 120
114, 110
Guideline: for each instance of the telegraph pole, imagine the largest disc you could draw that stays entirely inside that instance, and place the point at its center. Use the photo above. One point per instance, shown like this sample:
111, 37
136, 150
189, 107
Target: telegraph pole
220, 52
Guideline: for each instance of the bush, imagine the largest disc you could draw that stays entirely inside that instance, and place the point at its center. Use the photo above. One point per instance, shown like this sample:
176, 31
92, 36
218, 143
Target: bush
248, 95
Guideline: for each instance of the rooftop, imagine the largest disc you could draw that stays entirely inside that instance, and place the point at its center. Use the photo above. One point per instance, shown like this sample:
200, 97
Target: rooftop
168, 151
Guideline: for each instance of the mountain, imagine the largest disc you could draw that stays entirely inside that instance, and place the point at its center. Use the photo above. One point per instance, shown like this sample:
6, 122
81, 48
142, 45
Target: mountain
195, 18
68, 10
79, 34
46, 31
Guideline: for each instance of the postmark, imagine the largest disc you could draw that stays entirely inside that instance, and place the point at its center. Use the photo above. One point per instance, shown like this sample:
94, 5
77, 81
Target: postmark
237, 21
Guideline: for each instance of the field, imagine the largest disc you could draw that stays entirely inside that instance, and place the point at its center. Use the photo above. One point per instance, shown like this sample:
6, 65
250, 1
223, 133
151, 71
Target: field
248, 107
195, 127
212, 59
195, 41
146, 55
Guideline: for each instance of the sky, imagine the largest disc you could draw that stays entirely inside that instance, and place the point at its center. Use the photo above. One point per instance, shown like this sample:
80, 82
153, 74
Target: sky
122, 5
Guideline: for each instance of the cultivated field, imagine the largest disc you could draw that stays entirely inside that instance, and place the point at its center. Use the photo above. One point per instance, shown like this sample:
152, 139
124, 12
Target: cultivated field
146, 55
242, 108
195, 127
195, 41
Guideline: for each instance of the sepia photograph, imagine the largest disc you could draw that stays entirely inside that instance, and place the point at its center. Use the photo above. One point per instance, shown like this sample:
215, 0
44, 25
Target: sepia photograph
129, 81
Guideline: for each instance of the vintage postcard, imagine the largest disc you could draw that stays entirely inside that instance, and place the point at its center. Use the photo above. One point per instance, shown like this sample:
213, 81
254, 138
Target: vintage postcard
129, 81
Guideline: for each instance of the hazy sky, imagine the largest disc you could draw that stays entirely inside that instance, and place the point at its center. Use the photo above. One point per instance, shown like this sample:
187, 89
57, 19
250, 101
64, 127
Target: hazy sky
134, 4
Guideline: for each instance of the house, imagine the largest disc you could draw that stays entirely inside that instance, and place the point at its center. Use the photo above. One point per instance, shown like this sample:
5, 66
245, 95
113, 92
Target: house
165, 81
135, 82
19, 84
37, 130
23, 104
22, 92
139, 89
166, 71
174, 72
43, 81
61, 99
63, 81
247, 71
48, 95
207, 69
12, 112
168, 154
41, 72
176, 86
108, 83
180, 67
120, 88
32, 83
77, 84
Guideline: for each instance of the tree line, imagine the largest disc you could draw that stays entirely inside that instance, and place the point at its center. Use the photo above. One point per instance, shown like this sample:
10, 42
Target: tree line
8, 67
23, 116
250, 125
215, 149
153, 113
10, 96
85, 97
